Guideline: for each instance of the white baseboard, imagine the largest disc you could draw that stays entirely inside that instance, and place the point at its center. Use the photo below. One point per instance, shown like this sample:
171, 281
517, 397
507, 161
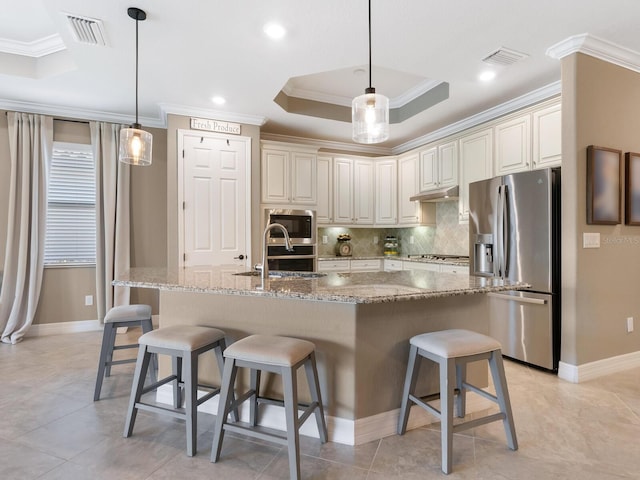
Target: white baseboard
599, 368
62, 328
340, 430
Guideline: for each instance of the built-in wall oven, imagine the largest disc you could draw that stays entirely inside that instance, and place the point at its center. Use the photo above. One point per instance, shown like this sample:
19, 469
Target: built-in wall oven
301, 226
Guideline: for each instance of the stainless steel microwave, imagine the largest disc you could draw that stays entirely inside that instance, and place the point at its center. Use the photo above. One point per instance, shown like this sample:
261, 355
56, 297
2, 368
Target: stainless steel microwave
300, 224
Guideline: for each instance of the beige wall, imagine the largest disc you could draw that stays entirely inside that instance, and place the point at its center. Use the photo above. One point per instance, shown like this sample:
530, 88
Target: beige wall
175, 123
599, 286
64, 288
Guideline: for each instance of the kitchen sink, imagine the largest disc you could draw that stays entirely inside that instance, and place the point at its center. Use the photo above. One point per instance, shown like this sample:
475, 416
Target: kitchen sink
283, 274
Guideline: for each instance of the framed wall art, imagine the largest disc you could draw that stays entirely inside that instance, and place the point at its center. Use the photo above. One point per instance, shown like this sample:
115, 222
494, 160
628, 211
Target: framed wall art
604, 182
632, 188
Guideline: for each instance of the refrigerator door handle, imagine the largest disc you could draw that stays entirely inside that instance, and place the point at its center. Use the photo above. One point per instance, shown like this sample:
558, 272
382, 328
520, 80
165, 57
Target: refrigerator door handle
536, 301
505, 230
499, 253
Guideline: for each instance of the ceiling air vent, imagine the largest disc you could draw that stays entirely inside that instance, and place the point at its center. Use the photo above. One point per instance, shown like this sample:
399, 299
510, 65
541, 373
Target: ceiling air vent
87, 30
504, 56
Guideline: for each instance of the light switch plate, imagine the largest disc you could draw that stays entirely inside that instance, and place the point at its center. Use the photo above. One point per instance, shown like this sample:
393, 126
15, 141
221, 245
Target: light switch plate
590, 240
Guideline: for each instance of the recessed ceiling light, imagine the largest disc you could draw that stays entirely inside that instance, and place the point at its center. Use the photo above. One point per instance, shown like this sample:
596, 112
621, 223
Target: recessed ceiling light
487, 76
218, 100
274, 30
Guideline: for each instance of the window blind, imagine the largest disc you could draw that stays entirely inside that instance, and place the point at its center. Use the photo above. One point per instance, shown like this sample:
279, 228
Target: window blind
71, 203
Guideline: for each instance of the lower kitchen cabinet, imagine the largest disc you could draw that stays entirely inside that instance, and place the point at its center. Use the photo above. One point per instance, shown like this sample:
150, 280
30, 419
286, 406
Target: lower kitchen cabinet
374, 265
342, 265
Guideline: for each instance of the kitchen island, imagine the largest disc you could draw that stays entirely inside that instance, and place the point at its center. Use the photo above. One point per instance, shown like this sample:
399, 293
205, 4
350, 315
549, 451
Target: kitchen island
360, 323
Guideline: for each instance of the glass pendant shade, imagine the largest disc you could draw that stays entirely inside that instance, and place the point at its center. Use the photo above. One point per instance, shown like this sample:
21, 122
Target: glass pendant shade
135, 146
370, 117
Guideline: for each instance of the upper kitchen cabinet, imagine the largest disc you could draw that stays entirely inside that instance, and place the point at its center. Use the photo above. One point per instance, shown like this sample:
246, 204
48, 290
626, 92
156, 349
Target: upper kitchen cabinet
386, 192
476, 150
324, 206
288, 174
408, 211
439, 166
513, 145
547, 136
529, 141
353, 191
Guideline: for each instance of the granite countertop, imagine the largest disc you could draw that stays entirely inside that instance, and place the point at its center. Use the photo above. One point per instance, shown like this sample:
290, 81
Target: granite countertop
360, 287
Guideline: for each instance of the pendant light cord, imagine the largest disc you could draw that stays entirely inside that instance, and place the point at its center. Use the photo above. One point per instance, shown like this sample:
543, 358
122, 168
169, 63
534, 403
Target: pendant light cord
369, 43
137, 71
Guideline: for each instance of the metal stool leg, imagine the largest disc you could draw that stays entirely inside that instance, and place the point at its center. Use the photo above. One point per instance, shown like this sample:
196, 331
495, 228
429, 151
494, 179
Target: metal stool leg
461, 378
104, 356
447, 385
500, 382
289, 381
142, 364
410, 380
314, 388
228, 382
191, 394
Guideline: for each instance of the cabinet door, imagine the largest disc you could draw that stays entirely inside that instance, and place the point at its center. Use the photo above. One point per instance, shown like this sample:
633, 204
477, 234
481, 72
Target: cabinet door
366, 265
513, 145
363, 189
275, 176
547, 137
428, 169
386, 194
343, 190
324, 191
303, 175
475, 164
448, 164
408, 211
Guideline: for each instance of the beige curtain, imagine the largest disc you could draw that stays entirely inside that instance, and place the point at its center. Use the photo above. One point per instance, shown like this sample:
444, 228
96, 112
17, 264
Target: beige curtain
30, 147
112, 217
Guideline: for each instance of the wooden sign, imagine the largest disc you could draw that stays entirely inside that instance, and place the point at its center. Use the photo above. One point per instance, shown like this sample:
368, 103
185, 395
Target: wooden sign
215, 126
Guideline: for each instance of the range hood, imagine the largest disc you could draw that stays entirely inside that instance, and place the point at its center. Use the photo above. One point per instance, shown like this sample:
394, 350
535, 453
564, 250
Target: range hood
441, 195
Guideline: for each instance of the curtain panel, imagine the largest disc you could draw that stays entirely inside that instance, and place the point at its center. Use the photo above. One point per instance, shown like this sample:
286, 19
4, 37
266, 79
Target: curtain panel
30, 147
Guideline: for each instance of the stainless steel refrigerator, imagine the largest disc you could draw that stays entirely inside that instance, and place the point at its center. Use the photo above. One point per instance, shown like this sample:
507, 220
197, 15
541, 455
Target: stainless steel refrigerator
514, 233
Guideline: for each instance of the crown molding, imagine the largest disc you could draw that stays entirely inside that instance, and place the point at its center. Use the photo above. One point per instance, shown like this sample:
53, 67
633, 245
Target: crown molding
169, 108
598, 48
59, 111
505, 108
327, 144
36, 49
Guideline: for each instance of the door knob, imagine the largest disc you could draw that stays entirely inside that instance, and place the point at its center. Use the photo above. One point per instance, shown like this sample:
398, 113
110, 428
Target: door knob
239, 257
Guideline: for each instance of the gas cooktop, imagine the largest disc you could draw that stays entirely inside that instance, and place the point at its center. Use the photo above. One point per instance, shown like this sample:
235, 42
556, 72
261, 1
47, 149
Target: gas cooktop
437, 257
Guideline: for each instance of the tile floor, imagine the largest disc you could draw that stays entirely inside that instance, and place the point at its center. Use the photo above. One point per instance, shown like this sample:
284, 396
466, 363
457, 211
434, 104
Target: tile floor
52, 429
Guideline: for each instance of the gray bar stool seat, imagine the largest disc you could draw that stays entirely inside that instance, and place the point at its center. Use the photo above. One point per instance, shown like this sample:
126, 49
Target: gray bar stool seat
122, 316
183, 343
452, 350
283, 356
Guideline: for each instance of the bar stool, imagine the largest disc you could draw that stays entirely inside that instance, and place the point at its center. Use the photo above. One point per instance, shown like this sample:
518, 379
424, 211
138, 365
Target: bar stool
122, 316
283, 356
452, 350
183, 343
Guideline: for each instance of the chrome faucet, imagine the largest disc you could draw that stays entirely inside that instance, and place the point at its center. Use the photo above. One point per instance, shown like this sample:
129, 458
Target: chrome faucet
265, 236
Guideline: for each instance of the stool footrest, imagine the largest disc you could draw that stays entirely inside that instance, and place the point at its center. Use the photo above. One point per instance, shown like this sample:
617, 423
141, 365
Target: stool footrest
478, 421
122, 347
251, 432
159, 383
481, 392
121, 362
214, 391
179, 413
423, 403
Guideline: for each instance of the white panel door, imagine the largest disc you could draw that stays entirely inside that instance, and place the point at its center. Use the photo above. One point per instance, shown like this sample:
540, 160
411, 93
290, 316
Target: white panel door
386, 192
428, 169
343, 190
513, 145
214, 195
324, 209
303, 174
363, 188
408, 211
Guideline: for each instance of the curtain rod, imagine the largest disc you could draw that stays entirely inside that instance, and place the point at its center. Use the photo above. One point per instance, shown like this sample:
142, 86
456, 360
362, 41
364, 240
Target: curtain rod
6, 113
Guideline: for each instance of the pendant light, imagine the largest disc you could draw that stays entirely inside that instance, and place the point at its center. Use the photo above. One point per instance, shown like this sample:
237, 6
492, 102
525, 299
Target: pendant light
370, 112
135, 143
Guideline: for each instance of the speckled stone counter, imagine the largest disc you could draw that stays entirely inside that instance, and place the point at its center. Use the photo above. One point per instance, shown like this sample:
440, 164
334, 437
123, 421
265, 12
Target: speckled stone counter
361, 324
356, 287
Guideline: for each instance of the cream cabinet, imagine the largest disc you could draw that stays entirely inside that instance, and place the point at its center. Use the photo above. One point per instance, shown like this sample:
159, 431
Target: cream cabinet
439, 166
288, 175
408, 211
324, 206
372, 265
547, 137
432, 267
476, 150
338, 265
513, 145
386, 191
353, 191
392, 264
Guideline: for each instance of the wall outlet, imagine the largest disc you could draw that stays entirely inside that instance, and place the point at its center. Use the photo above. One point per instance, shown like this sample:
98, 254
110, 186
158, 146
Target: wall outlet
375, 239
88, 300
629, 324
325, 239
411, 239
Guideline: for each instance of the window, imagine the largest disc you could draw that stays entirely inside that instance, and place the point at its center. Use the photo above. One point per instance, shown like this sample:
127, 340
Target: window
71, 214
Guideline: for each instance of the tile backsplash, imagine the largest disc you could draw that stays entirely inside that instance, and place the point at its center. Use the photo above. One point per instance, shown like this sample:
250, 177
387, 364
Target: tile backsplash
448, 237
